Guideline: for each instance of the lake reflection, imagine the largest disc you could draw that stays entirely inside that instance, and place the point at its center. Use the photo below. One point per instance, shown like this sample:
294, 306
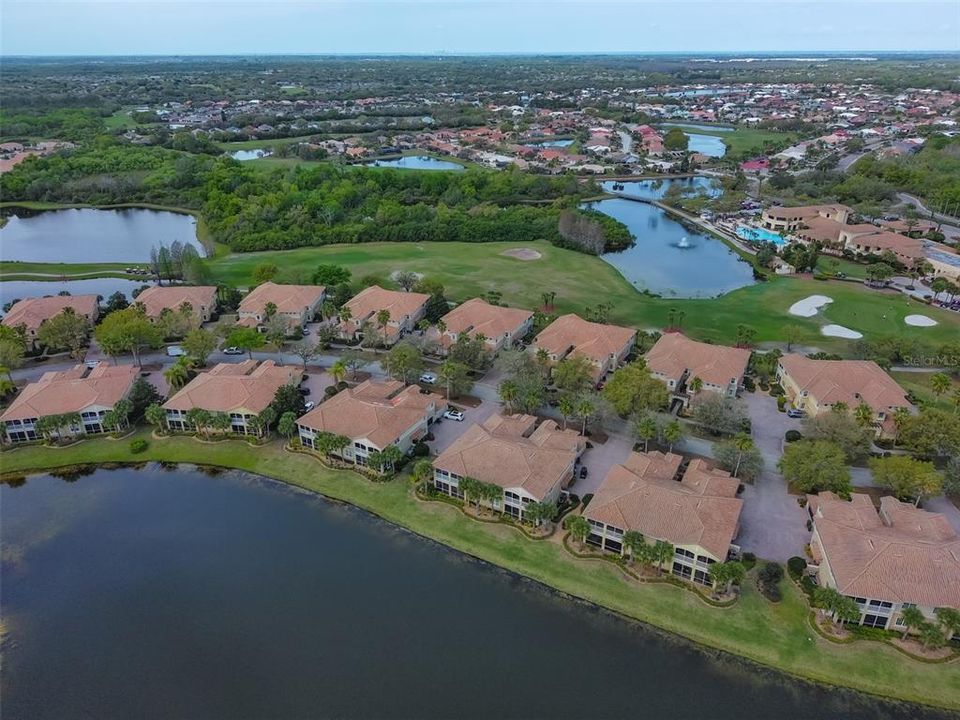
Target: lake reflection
169, 593
416, 162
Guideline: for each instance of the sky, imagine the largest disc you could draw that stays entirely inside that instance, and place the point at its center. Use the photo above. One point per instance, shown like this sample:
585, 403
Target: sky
218, 27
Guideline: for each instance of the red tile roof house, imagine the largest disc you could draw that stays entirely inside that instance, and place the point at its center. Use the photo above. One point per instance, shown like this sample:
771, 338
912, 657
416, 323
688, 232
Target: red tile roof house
676, 360
531, 462
815, 386
33, 312
374, 415
606, 346
886, 561
298, 304
406, 310
89, 392
240, 390
201, 298
501, 326
694, 509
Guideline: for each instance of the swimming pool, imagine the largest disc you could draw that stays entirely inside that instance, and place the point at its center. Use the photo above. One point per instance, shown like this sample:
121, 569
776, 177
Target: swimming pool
755, 234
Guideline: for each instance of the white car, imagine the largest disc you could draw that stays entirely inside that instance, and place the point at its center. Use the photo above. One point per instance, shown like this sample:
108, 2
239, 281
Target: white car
175, 351
454, 415
428, 378
232, 351
309, 405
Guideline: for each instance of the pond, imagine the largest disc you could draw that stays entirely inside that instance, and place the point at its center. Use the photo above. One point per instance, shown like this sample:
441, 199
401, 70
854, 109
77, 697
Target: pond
19, 289
169, 593
671, 258
708, 145
416, 162
87, 235
243, 155
657, 189
694, 126
551, 144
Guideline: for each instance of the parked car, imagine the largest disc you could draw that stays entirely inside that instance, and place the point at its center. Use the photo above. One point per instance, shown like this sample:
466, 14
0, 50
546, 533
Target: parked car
92, 363
454, 415
232, 351
583, 471
175, 351
304, 391
428, 378
795, 413
309, 405
304, 331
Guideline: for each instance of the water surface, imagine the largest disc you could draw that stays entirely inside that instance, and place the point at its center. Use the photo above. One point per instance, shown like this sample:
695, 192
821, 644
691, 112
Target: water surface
19, 289
244, 155
417, 162
89, 235
162, 594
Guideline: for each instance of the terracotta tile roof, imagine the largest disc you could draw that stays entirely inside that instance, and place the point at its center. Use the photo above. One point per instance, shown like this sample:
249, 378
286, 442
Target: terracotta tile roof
641, 494
903, 554
68, 391
287, 298
156, 299
368, 302
230, 387
378, 411
514, 452
478, 316
805, 211
31, 312
571, 333
894, 242
849, 381
673, 354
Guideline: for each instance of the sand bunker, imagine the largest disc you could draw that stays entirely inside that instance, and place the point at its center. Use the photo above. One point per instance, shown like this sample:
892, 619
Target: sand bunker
809, 306
919, 321
840, 331
522, 254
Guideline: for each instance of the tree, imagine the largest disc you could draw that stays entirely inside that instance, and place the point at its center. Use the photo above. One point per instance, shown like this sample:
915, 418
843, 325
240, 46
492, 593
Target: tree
354, 360
634, 542
406, 280
676, 139
878, 273
739, 456
246, 339
65, 331
841, 608
745, 336
117, 301
842, 429
423, 472
579, 528
306, 351
906, 477
403, 361
672, 433
950, 619
128, 331
200, 419
645, 428
275, 331
863, 414
199, 344
455, 377
178, 374
142, 395
722, 574
696, 385
662, 553
939, 382
338, 371
931, 636
911, 618
329, 275
931, 432
719, 414
537, 513
523, 389
116, 418
585, 407
267, 417
156, 416
469, 350
814, 465
573, 374
632, 389
383, 319
264, 272
792, 335
288, 398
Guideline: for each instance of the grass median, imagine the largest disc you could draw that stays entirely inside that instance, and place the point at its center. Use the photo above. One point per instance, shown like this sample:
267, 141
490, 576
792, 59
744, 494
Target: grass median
776, 635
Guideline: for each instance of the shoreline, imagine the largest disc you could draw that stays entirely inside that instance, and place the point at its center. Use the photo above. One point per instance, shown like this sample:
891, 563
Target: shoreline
395, 502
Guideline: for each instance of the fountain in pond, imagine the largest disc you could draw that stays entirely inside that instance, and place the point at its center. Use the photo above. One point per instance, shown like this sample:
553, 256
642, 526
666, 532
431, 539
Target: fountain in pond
683, 244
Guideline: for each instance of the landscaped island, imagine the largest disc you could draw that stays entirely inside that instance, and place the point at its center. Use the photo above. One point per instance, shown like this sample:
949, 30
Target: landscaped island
779, 635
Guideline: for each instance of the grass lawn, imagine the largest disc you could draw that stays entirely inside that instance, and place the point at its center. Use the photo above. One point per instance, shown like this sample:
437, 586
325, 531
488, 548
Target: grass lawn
9, 268
775, 635
471, 269
120, 119
829, 265
918, 384
258, 144
743, 140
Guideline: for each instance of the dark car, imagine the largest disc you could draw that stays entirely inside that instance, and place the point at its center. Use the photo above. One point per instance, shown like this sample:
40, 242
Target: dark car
304, 391
583, 471
795, 413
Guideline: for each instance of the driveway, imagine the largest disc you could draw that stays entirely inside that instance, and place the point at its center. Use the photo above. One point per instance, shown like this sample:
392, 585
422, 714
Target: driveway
599, 459
447, 431
772, 525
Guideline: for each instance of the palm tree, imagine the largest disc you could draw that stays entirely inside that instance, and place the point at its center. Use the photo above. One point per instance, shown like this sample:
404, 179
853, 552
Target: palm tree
743, 443
509, 392
724, 573
156, 416
287, 424
470, 487
633, 541
566, 407
578, 528
940, 383
696, 385
539, 513
645, 428
423, 473
911, 618
383, 318
863, 415
840, 607
672, 433
178, 374
662, 553
338, 371
900, 416
585, 408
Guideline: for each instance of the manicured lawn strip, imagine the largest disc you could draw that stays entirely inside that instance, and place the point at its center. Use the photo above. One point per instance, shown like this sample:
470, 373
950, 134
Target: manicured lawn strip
11, 267
745, 139
919, 385
471, 269
830, 265
774, 635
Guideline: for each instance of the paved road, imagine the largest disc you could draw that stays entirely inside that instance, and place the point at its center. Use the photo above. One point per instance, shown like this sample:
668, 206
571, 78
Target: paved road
847, 161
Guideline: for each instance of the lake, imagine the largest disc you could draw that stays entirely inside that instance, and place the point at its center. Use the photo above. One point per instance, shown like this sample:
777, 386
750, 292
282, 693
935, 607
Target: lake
694, 126
670, 258
89, 235
244, 155
657, 189
168, 593
551, 144
708, 145
416, 162
19, 289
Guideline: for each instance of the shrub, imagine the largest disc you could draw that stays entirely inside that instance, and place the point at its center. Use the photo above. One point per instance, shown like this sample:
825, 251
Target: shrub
776, 389
795, 566
342, 385
792, 435
330, 391
138, 446
808, 585
748, 384
586, 499
749, 560
767, 581
781, 402
421, 450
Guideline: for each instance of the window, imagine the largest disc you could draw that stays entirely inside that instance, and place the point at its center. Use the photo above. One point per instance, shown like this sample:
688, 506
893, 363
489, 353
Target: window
613, 545
702, 577
876, 621
683, 571
682, 552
